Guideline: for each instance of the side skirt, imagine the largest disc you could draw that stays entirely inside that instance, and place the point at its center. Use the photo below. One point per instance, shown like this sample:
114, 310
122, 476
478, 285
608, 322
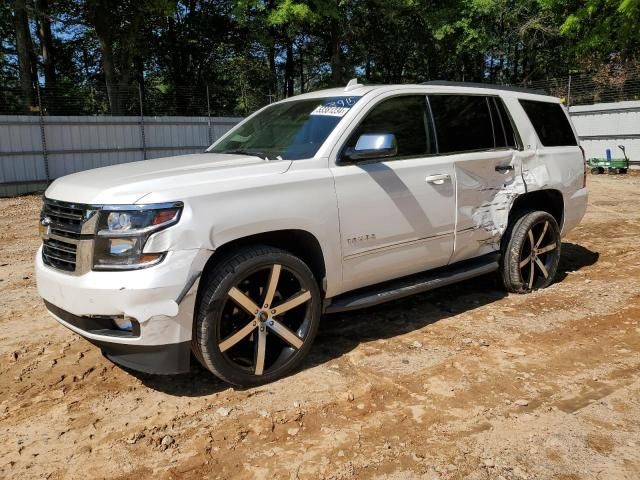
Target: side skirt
418, 283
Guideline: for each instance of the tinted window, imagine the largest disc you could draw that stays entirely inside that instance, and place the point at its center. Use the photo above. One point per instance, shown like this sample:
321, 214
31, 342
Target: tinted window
550, 122
512, 139
463, 122
406, 118
499, 135
291, 130
502, 124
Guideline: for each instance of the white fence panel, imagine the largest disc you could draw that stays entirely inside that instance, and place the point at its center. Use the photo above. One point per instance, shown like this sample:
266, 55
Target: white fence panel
606, 125
21, 157
31, 145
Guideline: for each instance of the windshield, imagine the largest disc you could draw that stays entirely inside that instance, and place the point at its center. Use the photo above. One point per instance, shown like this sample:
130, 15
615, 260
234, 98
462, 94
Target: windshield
289, 130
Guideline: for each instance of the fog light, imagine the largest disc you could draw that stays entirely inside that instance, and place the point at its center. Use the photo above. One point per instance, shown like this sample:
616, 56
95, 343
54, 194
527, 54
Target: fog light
124, 323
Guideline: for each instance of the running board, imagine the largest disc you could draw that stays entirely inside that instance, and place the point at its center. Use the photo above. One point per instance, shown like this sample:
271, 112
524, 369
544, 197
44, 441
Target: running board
421, 282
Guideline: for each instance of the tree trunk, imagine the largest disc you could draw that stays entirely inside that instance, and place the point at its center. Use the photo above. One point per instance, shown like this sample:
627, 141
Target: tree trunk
516, 63
273, 90
24, 48
300, 54
176, 68
142, 93
367, 68
110, 77
491, 71
118, 48
525, 63
288, 70
46, 43
336, 54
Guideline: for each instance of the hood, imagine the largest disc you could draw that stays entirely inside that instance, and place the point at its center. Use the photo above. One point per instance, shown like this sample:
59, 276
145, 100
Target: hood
127, 183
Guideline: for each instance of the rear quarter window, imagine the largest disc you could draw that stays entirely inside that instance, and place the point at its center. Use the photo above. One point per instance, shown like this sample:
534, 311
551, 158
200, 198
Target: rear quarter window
550, 123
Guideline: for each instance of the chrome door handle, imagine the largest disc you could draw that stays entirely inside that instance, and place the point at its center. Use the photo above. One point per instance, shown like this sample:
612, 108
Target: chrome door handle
438, 179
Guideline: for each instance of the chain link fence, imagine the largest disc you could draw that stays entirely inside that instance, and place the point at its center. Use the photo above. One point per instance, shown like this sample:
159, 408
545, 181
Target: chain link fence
205, 100
588, 89
133, 100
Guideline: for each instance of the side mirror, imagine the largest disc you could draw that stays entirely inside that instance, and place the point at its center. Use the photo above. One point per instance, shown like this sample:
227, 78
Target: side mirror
372, 146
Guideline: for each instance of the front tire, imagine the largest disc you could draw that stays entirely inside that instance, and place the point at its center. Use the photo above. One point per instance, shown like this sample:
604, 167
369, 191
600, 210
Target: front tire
530, 252
257, 316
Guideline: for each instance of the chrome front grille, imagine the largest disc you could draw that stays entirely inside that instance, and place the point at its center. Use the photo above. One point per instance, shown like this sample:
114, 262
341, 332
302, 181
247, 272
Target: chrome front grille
67, 232
60, 255
65, 219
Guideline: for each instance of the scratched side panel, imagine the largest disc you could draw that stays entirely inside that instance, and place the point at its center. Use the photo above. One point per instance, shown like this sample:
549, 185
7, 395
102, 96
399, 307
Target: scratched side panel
559, 168
484, 199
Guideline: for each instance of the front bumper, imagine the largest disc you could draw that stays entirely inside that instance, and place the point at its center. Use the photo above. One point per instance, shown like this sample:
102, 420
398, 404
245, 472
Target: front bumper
159, 301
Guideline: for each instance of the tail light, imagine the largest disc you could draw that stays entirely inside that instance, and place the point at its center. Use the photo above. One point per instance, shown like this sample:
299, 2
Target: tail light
584, 173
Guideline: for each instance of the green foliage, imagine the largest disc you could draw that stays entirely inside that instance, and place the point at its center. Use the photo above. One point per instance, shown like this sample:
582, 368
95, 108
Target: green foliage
604, 28
7, 69
249, 52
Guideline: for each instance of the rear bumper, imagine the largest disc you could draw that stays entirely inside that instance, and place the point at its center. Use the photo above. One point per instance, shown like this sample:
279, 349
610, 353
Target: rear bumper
574, 209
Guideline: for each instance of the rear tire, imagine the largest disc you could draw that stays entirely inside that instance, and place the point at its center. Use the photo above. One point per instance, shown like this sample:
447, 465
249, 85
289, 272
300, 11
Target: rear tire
530, 252
257, 316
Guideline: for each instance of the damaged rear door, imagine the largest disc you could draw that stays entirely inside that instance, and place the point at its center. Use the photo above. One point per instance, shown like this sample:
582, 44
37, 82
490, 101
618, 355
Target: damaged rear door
478, 134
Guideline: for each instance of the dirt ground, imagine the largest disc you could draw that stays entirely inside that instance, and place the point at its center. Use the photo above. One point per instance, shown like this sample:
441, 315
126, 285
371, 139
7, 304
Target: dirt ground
464, 382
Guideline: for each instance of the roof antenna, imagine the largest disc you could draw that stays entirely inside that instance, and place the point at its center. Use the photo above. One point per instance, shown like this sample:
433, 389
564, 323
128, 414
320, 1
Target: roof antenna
352, 85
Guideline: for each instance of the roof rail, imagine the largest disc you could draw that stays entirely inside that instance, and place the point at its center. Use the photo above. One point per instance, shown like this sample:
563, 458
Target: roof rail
447, 83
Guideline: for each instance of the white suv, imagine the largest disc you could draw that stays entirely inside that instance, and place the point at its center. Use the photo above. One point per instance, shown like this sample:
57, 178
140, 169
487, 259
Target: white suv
325, 202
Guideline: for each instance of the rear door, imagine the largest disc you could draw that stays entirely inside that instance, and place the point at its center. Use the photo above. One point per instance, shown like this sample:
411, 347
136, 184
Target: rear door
476, 133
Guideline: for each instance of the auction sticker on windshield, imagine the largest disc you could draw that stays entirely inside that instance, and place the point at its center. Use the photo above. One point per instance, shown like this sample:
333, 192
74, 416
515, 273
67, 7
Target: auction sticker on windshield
335, 107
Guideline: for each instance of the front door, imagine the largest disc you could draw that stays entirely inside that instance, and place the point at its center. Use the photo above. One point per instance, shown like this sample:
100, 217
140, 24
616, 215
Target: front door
397, 215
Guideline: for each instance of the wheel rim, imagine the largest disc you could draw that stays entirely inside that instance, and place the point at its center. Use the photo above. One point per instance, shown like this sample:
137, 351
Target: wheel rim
265, 320
537, 255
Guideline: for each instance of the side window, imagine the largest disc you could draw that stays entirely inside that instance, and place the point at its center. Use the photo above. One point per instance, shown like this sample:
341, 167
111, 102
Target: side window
463, 122
406, 118
505, 132
513, 138
550, 122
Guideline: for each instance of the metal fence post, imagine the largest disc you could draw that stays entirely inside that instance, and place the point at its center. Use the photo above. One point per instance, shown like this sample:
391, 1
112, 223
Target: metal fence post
569, 92
209, 132
142, 136
43, 136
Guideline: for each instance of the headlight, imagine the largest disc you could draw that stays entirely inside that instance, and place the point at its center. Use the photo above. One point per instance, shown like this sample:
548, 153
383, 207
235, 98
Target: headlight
123, 232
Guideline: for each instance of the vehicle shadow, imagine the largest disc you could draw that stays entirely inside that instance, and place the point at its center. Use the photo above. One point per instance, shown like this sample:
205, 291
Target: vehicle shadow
573, 258
342, 332
199, 382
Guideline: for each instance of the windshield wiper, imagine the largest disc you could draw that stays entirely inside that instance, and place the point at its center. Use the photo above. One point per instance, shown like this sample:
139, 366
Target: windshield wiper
248, 152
